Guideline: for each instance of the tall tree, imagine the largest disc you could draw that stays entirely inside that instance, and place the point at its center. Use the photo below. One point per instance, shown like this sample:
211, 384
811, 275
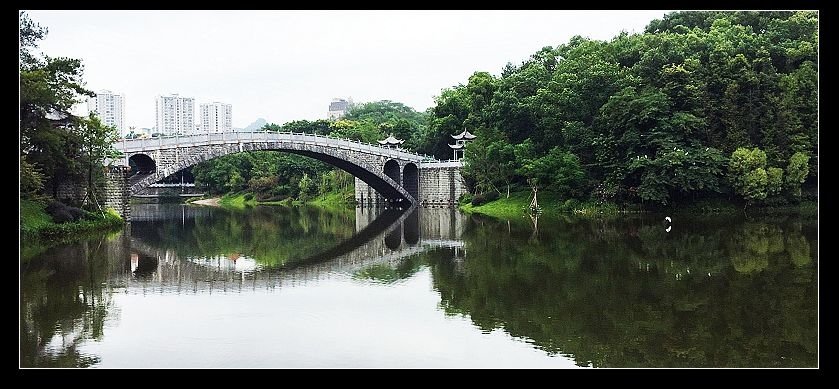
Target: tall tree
54, 143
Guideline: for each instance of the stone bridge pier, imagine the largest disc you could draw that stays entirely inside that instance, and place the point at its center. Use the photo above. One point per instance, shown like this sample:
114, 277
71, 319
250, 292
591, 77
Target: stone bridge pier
117, 195
437, 184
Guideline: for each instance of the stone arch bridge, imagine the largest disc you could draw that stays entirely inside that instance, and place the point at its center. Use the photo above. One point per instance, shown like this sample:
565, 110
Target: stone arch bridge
382, 175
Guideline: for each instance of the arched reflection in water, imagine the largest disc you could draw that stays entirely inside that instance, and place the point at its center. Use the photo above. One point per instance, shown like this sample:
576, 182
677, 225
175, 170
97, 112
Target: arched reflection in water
143, 266
393, 240
378, 239
412, 228
714, 292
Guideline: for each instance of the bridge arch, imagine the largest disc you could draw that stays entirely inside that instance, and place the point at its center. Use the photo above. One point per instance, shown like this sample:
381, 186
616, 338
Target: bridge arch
391, 169
141, 163
410, 179
364, 170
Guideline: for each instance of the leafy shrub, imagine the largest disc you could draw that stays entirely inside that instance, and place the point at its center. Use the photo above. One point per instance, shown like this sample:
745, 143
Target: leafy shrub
62, 213
484, 198
570, 205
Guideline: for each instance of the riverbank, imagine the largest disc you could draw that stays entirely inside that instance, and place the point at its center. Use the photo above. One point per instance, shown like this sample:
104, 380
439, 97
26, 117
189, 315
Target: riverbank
36, 223
210, 202
242, 200
333, 200
551, 204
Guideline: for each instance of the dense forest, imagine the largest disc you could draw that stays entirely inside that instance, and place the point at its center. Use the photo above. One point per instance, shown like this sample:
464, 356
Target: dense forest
700, 105
719, 105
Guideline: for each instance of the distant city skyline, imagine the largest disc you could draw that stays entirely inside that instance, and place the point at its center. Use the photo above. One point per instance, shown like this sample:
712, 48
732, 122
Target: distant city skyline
287, 65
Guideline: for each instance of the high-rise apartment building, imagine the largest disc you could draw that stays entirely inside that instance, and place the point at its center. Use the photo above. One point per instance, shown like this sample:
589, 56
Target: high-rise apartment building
338, 108
110, 107
216, 117
175, 114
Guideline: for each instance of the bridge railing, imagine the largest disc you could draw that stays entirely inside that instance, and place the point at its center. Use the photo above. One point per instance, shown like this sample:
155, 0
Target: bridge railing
170, 141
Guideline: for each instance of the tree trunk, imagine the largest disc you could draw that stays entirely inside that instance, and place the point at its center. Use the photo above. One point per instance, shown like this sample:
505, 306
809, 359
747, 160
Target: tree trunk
534, 204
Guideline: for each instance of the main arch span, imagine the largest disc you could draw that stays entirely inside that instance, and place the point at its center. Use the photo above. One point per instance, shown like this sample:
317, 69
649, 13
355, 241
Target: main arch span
383, 175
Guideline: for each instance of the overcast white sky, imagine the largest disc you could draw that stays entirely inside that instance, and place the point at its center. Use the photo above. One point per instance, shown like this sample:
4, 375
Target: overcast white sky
288, 65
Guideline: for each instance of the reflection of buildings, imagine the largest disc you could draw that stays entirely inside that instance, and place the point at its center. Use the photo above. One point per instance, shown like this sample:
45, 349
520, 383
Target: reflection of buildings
135, 261
228, 263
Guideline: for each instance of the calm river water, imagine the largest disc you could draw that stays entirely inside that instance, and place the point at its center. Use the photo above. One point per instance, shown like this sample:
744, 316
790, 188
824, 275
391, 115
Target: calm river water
188, 286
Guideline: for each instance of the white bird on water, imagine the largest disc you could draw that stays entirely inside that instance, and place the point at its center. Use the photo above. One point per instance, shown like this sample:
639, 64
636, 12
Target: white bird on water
668, 219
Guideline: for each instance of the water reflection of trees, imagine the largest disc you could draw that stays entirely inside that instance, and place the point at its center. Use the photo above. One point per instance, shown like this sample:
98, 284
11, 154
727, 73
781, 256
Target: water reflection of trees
628, 294
270, 235
63, 302
608, 293
391, 273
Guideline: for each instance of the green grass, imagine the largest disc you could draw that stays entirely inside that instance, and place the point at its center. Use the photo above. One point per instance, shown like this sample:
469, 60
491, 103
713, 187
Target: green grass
36, 224
515, 206
236, 200
332, 200
550, 203
329, 200
33, 217
287, 202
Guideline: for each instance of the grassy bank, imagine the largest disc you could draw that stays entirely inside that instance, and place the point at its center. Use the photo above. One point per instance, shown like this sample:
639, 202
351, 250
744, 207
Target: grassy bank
35, 223
332, 200
235, 200
242, 200
552, 204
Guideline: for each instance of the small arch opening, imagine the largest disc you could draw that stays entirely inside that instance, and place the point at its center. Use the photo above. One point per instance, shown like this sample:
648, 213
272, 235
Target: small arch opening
410, 179
141, 164
391, 170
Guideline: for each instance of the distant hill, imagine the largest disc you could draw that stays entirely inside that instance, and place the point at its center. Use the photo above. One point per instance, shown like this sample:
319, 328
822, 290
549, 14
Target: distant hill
255, 125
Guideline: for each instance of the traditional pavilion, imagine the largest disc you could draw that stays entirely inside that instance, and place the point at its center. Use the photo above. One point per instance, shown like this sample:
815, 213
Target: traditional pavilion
460, 143
391, 142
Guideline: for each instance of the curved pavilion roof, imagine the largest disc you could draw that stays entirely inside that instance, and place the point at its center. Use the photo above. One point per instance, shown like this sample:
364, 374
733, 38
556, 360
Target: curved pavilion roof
466, 135
390, 140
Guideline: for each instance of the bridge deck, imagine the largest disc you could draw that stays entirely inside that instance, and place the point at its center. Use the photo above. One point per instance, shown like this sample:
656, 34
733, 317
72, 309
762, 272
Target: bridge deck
226, 138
